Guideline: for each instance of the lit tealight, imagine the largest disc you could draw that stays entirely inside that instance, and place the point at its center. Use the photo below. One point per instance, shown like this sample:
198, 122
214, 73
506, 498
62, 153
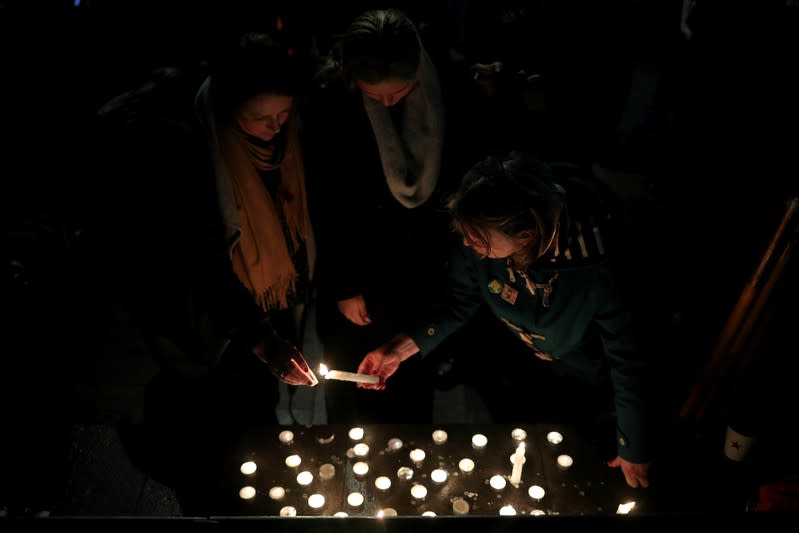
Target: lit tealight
288, 511
286, 437
382, 483
360, 468
507, 510
565, 461
460, 506
536, 492
479, 441
439, 475
518, 434
405, 473
327, 471
497, 482
304, 478
439, 436
395, 444
277, 493
356, 433
553, 437
537, 512
340, 514
361, 449
466, 465
293, 461
355, 499
417, 455
316, 501
248, 468
419, 492
388, 511
247, 493
625, 508
428, 513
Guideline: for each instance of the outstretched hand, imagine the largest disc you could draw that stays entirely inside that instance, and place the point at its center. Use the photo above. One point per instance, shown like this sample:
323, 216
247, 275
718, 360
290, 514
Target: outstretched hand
386, 359
354, 309
636, 474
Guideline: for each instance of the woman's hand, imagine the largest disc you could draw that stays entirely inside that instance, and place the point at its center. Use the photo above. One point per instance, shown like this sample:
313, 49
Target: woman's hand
354, 309
636, 474
385, 360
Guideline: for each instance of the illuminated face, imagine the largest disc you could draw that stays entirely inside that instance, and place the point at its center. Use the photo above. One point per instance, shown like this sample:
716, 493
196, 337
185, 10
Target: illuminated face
387, 92
500, 245
263, 115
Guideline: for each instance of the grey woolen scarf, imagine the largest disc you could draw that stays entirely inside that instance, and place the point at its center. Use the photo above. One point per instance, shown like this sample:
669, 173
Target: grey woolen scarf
411, 158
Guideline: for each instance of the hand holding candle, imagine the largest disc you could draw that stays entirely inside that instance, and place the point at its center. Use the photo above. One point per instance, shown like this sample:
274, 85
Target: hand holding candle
385, 360
347, 376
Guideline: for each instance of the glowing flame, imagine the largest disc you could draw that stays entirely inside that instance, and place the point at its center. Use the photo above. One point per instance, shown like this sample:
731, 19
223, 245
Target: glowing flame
323, 369
625, 508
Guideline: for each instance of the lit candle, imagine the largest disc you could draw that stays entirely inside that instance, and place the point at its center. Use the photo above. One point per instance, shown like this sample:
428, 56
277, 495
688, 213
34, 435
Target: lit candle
507, 510
625, 508
388, 511
537, 512
354, 499
327, 471
466, 465
518, 434
428, 513
340, 375
293, 461
247, 493
340, 514
460, 506
405, 473
304, 478
439, 436
356, 433
536, 492
565, 461
417, 455
288, 511
286, 437
382, 483
553, 437
361, 449
518, 463
497, 482
439, 475
248, 468
316, 501
479, 441
419, 491
277, 493
360, 468
394, 444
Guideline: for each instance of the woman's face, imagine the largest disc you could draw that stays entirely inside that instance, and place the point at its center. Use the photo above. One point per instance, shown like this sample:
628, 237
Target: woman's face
500, 245
387, 92
263, 115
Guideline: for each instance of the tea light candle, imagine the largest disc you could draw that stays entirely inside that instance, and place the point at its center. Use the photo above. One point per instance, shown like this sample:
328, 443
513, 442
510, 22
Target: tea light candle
293, 461
394, 444
248, 468
518, 434
428, 513
355, 499
565, 461
340, 514
277, 493
497, 482
417, 455
356, 433
419, 492
288, 511
507, 510
315, 501
439, 436
286, 437
537, 512
460, 506
536, 492
553, 437
466, 465
360, 468
479, 441
382, 483
439, 475
388, 511
361, 449
625, 508
247, 493
405, 473
327, 471
304, 478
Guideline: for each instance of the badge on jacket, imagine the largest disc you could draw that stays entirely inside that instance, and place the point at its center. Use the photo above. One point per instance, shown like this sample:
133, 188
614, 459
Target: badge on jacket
509, 294
495, 286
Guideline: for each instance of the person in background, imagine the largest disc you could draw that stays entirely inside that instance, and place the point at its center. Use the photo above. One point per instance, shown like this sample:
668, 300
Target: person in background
538, 254
210, 246
377, 125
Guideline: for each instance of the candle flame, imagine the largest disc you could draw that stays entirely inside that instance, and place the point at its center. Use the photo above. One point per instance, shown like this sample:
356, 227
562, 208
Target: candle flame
625, 508
323, 369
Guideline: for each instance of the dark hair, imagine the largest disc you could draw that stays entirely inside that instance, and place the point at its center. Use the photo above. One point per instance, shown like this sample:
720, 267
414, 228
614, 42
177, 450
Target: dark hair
379, 45
511, 196
251, 65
